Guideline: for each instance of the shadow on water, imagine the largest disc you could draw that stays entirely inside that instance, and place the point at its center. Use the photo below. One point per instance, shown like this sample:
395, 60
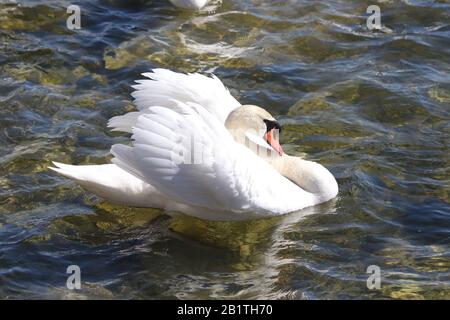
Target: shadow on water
196, 258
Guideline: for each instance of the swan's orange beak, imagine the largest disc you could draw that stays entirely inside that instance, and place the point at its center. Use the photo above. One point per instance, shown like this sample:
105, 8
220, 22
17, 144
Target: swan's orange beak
272, 139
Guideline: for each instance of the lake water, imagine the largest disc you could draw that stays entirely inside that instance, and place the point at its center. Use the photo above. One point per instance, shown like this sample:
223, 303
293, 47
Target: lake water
372, 106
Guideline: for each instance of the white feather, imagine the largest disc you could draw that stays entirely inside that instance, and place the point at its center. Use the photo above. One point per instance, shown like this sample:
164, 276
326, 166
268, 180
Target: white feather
183, 159
166, 87
189, 4
113, 184
230, 175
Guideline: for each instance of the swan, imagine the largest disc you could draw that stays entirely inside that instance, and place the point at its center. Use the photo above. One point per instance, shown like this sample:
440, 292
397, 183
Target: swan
189, 4
196, 150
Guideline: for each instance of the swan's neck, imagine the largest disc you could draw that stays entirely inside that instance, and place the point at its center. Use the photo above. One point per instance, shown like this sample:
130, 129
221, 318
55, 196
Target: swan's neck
310, 176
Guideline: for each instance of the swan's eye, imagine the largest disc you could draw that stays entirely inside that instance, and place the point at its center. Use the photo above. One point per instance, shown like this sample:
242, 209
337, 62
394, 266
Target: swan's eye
272, 124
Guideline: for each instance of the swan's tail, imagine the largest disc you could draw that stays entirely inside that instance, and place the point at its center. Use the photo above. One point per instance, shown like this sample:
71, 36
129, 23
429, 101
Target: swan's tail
111, 183
77, 173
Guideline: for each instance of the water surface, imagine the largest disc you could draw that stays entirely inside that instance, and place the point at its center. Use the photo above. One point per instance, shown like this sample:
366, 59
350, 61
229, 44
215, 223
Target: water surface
372, 106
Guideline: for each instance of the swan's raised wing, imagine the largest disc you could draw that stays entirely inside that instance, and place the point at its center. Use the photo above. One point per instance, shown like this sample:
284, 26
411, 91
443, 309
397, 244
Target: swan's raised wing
165, 88
187, 154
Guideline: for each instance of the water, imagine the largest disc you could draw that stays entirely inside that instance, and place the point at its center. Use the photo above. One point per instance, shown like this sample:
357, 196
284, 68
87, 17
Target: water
373, 107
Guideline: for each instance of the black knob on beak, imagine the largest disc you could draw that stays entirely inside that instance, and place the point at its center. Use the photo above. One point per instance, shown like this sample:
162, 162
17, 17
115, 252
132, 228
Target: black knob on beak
272, 124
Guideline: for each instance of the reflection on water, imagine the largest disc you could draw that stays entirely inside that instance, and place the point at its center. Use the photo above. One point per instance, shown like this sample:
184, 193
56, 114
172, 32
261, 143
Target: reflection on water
373, 107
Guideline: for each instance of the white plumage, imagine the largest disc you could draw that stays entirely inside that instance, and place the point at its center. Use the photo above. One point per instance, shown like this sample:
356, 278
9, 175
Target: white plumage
183, 158
166, 88
189, 4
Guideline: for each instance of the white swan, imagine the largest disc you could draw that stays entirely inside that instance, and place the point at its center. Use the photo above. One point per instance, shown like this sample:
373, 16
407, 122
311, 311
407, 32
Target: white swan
196, 150
189, 4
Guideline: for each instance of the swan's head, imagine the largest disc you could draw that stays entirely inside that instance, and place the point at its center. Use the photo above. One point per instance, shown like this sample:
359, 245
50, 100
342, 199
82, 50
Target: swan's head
254, 125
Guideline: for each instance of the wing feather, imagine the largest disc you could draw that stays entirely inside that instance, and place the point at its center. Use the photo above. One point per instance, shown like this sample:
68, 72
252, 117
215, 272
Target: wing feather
229, 176
166, 88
